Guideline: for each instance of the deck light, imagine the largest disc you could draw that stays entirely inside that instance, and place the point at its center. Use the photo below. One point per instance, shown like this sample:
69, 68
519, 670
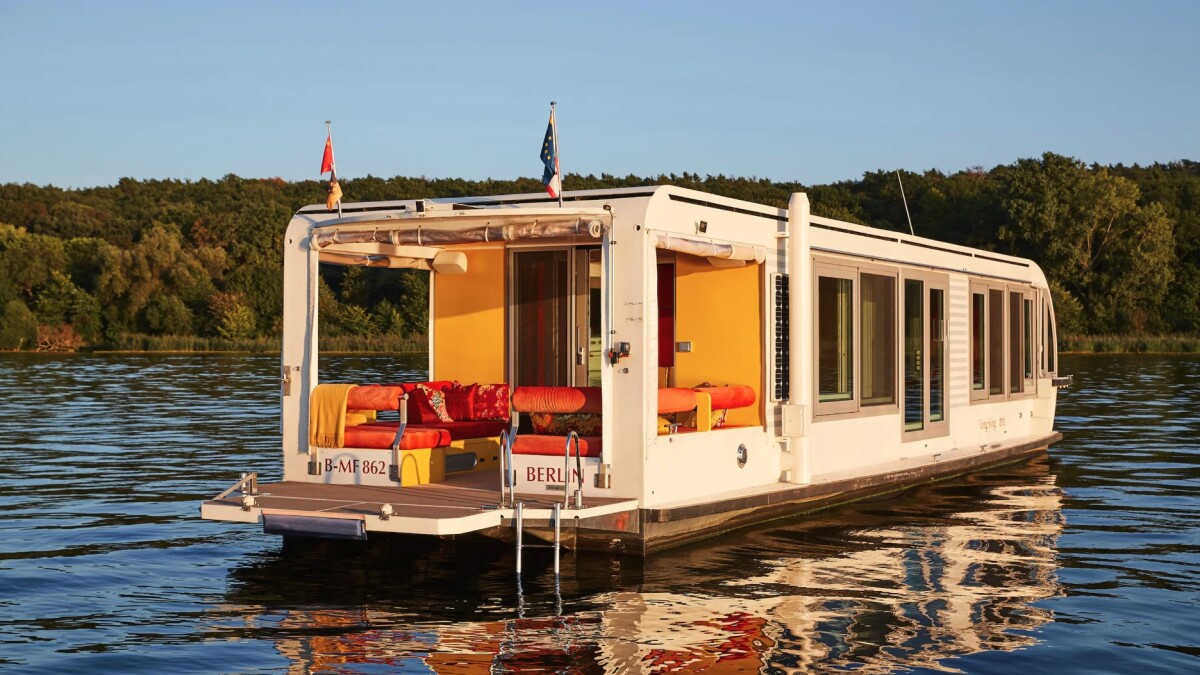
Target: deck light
386, 511
248, 502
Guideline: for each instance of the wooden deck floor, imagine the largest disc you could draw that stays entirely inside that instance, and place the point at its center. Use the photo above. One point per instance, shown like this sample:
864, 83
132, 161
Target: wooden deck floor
459, 496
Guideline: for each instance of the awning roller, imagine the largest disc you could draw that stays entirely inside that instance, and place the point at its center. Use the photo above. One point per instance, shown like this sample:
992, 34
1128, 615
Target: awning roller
711, 249
434, 232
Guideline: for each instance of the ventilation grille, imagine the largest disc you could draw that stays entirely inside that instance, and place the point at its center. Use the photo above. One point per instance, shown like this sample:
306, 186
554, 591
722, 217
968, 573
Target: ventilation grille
781, 338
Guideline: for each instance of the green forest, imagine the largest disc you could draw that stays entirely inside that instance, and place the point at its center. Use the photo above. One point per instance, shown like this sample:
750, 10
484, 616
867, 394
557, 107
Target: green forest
170, 264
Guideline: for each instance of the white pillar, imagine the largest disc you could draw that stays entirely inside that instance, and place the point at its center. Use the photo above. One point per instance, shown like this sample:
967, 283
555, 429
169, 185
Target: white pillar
797, 414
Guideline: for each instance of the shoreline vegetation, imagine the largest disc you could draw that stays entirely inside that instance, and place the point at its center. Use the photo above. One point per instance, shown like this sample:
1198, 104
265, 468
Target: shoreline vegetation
418, 344
177, 265
1129, 344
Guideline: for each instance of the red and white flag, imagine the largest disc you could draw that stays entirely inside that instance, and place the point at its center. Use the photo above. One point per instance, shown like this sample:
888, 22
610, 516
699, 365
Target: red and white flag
327, 158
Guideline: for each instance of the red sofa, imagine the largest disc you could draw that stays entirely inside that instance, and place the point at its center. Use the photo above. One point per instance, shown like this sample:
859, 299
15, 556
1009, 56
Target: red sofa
420, 433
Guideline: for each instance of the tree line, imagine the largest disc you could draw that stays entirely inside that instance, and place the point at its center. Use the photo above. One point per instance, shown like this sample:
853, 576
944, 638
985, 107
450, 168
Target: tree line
85, 267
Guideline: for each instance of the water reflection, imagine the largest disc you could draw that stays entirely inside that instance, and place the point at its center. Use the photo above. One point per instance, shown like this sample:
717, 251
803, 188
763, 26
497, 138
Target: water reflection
910, 582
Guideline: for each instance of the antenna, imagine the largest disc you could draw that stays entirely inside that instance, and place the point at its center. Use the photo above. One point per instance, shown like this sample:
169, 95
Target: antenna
905, 199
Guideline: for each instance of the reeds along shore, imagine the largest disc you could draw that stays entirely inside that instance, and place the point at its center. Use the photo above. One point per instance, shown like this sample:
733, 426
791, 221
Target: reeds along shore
1129, 344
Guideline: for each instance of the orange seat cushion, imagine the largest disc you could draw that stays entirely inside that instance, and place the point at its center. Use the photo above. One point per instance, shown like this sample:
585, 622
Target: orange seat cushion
558, 400
555, 446
380, 436
675, 399
459, 430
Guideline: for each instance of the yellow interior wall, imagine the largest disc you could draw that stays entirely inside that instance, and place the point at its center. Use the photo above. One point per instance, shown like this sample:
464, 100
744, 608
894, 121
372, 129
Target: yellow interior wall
719, 311
468, 320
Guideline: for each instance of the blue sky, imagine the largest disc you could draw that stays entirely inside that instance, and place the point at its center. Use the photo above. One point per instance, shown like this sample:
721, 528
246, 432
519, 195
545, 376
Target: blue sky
815, 92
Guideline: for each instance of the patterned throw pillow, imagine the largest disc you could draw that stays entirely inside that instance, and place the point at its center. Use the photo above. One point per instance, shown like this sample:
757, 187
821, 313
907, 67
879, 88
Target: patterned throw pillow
491, 402
460, 401
561, 424
429, 406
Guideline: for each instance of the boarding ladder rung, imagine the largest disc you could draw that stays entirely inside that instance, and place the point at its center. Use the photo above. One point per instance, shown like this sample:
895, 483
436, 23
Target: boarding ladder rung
556, 521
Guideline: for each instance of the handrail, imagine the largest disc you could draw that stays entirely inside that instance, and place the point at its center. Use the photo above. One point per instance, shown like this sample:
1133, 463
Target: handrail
567, 473
394, 469
508, 478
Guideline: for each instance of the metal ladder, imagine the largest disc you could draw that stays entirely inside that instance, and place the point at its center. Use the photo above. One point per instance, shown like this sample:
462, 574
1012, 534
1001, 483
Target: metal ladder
555, 519
508, 481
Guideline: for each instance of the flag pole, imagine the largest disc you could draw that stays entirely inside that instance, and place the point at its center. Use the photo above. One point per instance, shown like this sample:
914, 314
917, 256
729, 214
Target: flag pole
557, 161
332, 161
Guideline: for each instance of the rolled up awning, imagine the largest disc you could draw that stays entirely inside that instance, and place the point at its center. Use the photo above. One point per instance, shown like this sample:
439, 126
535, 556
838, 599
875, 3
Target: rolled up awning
711, 249
469, 227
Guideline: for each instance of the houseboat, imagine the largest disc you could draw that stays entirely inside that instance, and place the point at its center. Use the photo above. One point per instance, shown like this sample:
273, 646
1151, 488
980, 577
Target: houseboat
631, 369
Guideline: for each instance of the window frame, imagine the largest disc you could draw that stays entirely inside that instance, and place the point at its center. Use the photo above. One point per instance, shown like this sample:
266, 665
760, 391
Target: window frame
931, 281
1006, 291
853, 270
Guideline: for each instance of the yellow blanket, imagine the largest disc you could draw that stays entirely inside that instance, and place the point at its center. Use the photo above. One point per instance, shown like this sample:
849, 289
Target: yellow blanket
327, 415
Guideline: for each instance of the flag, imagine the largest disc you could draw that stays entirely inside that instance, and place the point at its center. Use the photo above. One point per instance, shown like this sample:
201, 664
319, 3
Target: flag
327, 158
335, 193
550, 176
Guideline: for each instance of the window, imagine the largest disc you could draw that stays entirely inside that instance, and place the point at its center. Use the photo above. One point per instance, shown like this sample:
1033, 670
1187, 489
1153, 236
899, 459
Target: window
1002, 346
856, 352
995, 342
877, 309
924, 354
914, 350
1051, 345
978, 345
1028, 334
937, 354
1016, 348
835, 332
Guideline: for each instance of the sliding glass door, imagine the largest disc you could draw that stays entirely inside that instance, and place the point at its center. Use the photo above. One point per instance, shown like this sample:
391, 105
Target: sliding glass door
556, 317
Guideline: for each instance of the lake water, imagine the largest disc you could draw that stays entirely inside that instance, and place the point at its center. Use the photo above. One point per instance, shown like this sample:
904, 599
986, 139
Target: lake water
1082, 561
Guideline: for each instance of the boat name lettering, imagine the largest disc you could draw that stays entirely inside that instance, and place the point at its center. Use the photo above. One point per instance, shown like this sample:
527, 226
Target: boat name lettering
376, 467
541, 474
992, 424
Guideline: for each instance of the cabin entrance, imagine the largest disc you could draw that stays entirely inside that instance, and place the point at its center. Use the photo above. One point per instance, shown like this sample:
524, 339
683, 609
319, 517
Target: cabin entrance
556, 317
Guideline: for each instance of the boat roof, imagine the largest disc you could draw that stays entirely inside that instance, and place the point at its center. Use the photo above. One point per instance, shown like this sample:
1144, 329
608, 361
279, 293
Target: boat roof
351, 212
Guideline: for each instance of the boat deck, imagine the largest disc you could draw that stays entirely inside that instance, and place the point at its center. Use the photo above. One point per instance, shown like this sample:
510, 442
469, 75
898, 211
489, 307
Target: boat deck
461, 504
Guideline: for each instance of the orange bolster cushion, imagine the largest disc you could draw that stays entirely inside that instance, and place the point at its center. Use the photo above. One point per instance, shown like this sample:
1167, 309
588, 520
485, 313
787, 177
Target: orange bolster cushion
386, 396
675, 399
555, 446
375, 397
730, 396
558, 400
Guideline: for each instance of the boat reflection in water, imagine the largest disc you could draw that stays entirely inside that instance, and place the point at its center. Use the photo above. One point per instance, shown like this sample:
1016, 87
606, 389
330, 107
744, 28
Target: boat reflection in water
907, 582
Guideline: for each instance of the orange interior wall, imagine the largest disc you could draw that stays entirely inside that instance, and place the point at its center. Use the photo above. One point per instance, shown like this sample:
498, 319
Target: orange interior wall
468, 320
720, 311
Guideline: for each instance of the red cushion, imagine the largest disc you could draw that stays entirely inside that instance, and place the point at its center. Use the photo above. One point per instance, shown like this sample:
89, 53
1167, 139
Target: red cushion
730, 396
381, 435
374, 397
459, 430
420, 410
528, 444
558, 400
460, 401
675, 399
430, 400
491, 402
